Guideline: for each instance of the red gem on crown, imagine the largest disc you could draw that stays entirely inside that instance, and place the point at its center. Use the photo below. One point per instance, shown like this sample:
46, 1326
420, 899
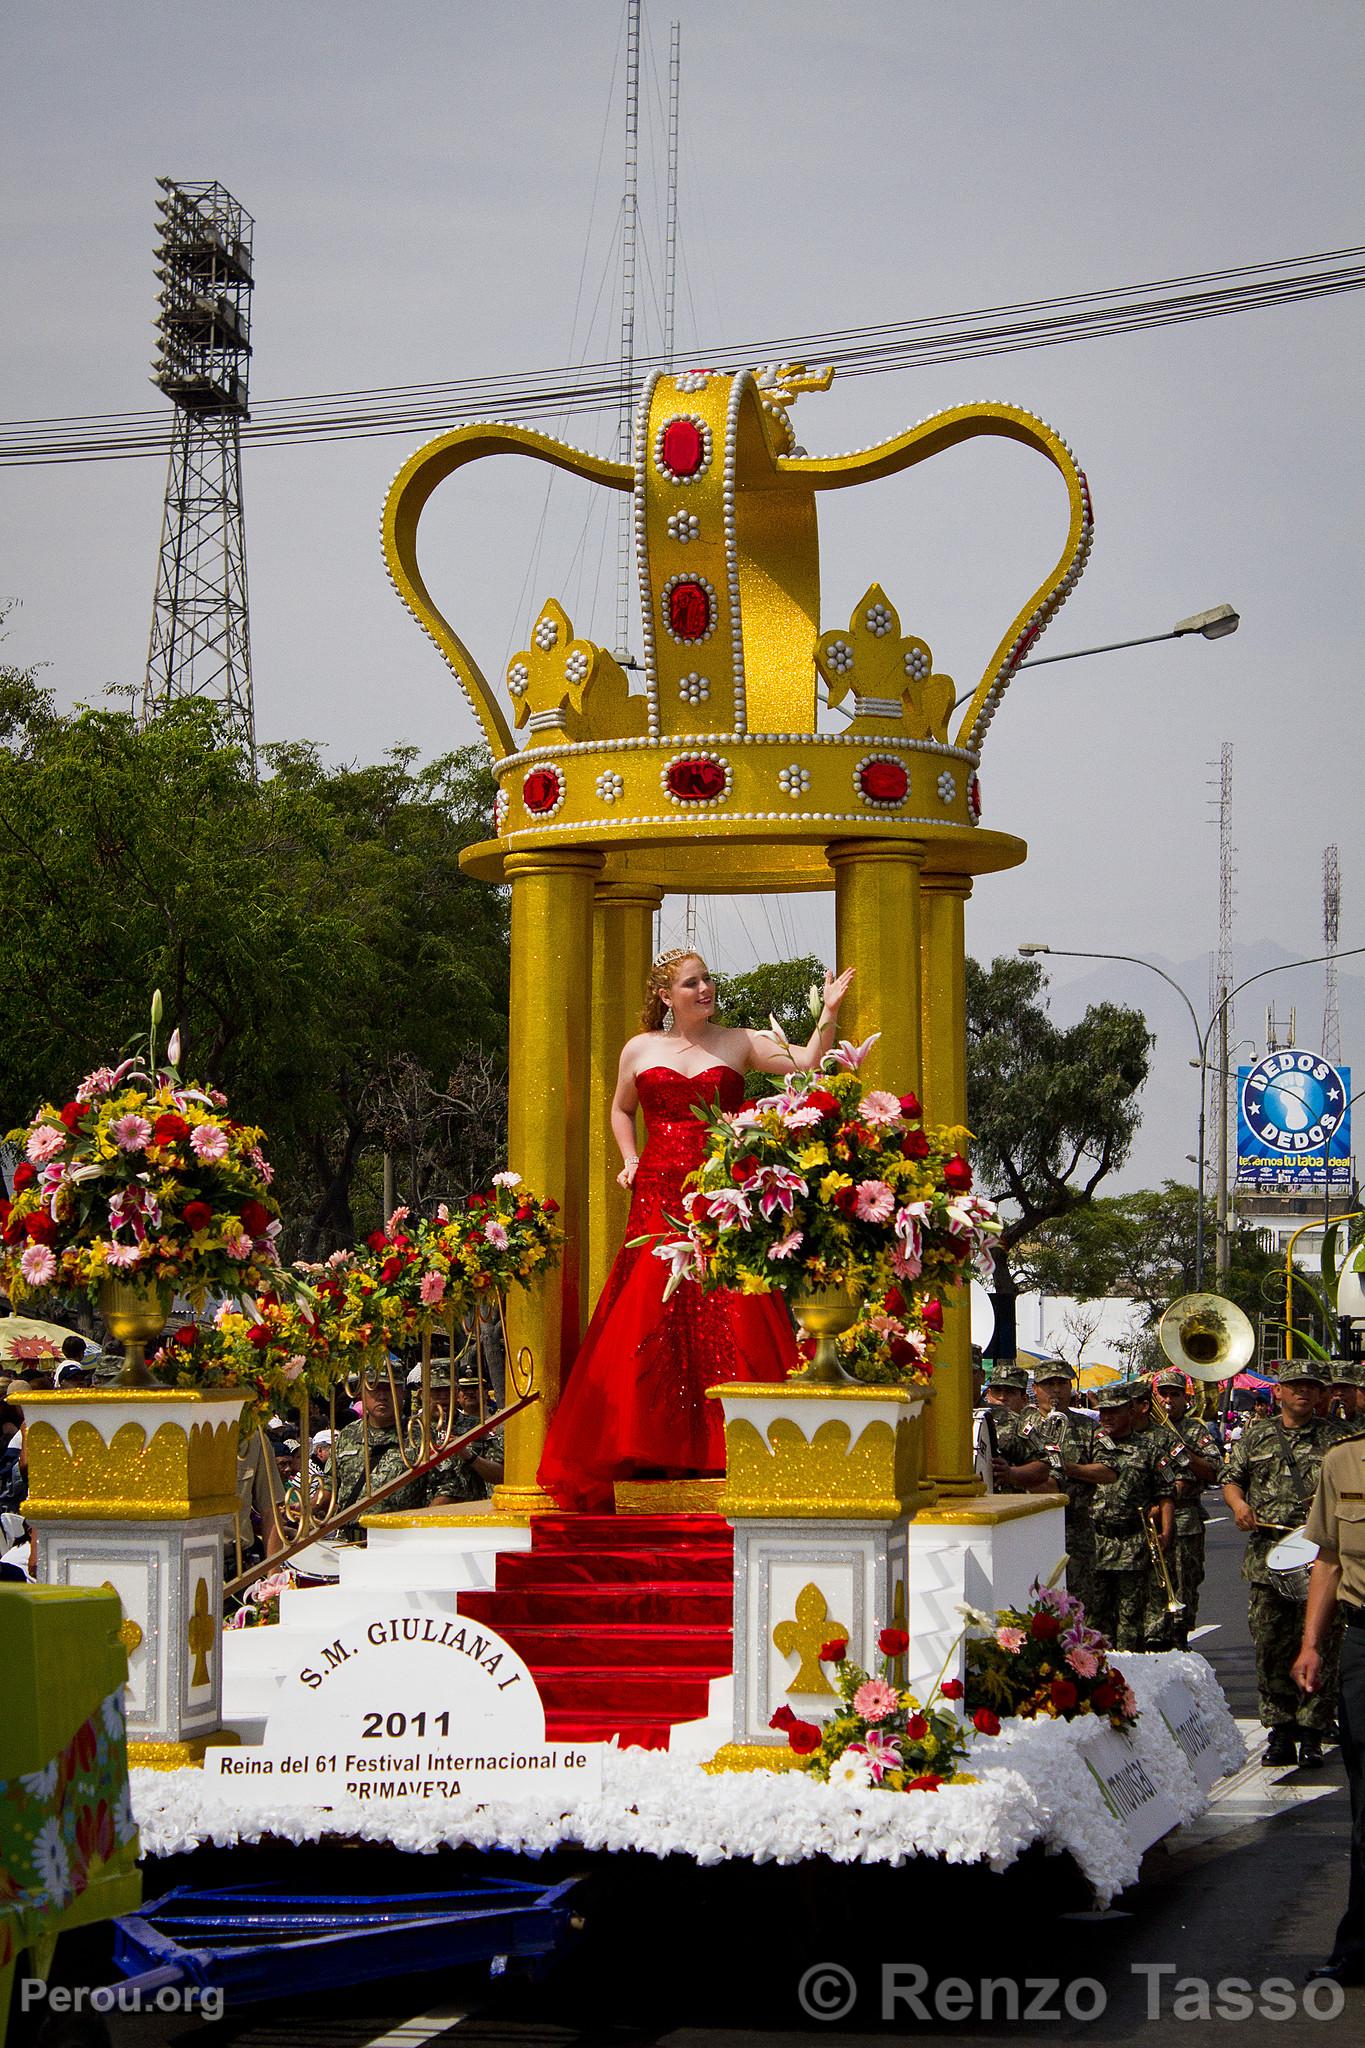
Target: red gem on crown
695, 779
689, 610
974, 796
542, 789
883, 782
682, 447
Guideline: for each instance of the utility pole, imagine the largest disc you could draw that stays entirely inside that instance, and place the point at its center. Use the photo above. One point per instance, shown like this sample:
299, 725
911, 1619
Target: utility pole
1226, 897
630, 222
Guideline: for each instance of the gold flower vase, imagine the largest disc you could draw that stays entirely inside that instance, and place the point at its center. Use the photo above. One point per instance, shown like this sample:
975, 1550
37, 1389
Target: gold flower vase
134, 1314
824, 1314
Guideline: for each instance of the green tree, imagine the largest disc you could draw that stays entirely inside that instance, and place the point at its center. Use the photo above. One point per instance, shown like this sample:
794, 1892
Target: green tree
306, 927
775, 988
1052, 1110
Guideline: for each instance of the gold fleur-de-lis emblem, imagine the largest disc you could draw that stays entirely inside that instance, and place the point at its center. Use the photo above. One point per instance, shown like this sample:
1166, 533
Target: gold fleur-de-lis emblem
889, 674
805, 1637
567, 688
200, 1634
129, 1634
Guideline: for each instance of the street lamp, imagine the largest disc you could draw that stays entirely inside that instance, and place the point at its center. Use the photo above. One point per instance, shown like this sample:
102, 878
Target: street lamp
1202, 1037
1215, 624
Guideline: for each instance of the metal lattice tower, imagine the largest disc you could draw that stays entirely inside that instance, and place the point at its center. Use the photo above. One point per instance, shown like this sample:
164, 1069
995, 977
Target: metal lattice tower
1331, 933
630, 223
200, 643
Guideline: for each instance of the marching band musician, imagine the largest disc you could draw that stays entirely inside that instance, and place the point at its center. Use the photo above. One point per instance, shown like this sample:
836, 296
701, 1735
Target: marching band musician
1203, 1459
1269, 1477
1124, 1576
1070, 1440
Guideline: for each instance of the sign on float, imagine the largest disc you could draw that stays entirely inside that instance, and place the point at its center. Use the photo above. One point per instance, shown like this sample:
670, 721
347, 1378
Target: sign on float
406, 1706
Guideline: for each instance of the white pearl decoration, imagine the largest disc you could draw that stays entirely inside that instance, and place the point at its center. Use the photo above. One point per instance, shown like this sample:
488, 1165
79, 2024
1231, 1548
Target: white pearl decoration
610, 786
694, 689
793, 780
576, 667
546, 634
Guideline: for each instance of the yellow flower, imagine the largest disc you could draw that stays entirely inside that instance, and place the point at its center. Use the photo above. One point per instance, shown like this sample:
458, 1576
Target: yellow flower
812, 1155
831, 1183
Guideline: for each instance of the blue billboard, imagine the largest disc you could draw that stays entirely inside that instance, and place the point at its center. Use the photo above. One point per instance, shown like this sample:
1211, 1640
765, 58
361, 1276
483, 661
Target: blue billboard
1294, 1124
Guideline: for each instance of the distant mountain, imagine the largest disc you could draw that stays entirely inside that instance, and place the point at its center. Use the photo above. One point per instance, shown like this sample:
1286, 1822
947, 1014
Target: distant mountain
1170, 1100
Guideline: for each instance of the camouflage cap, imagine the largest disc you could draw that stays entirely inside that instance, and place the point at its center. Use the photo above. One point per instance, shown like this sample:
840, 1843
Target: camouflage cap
1118, 1394
1346, 1372
1172, 1378
1052, 1369
1010, 1375
1291, 1371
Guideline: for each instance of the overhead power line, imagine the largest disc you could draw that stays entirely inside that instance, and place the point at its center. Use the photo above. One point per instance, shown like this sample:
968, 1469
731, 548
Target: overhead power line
595, 388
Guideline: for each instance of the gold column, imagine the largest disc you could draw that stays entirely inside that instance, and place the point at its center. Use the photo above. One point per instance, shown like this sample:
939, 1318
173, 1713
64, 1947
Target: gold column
622, 949
547, 1113
877, 930
948, 1419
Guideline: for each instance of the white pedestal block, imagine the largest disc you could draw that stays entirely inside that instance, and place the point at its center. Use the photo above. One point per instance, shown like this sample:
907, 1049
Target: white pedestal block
984, 1552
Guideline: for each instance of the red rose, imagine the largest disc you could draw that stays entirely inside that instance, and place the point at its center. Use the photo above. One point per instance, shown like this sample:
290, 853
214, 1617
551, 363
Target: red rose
525, 1213
40, 1227
1064, 1694
390, 1270
196, 1215
1105, 1695
259, 1335
915, 1145
902, 1354
931, 1315
255, 1218
834, 1651
804, 1737
74, 1113
377, 1241
910, 1105
844, 1199
951, 1688
821, 1099
13, 1227
169, 1129
893, 1642
928, 1783
917, 1727
550, 1206
893, 1302
25, 1173
985, 1722
957, 1175
1045, 1628
744, 1169
476, 1201
185, 1337
784, 1718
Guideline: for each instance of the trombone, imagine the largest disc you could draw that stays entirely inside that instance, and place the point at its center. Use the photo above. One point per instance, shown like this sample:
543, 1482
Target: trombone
1174, 1604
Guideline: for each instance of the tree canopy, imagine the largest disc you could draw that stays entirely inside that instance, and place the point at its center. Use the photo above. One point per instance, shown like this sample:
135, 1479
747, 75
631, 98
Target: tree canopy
310, 928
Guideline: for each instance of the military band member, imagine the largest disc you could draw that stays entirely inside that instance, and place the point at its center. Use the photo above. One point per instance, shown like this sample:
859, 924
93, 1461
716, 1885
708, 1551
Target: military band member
387, 1456
1070, 1440
1018, 1465
1348, 1393
1336, 1523
1204, 1462
1269, 1477
1141, 1491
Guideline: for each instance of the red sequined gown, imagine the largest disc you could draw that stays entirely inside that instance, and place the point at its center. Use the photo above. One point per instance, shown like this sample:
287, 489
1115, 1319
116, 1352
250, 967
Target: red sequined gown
635, 1404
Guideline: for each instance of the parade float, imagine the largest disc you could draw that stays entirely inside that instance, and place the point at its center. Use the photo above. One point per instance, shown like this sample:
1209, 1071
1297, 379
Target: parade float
506, 1675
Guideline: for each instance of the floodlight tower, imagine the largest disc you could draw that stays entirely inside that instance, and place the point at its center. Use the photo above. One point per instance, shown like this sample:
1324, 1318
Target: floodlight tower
1331, 932
200, 644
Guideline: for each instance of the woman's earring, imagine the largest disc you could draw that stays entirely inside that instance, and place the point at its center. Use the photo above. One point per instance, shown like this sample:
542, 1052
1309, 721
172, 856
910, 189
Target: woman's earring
666, 1024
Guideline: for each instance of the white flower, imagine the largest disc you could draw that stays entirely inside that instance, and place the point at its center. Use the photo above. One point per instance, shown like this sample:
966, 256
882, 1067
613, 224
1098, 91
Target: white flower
51, 1861
975, 1618
40, 1785
851, 1773
111, 1710
507, 1179
794, 780
947, 786
694, 688
518, 676
576, 667
610, 785
916, 663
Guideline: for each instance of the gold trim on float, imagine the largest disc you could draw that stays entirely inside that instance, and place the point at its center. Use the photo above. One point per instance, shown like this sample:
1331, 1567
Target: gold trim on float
177, 1756
520, 1502
138, 1509
668, 1496
986, 1510
441, 1518
752, 1756
785, 1391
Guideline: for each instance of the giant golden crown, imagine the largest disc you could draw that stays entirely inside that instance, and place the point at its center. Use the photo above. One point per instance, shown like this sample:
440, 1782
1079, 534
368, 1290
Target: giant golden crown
720, 746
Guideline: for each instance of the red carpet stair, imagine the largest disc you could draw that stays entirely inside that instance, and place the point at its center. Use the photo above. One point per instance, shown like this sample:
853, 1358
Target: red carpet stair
623, 1619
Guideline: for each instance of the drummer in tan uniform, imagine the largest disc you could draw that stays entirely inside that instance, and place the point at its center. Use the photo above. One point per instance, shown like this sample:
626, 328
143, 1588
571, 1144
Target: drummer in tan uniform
1336, 1523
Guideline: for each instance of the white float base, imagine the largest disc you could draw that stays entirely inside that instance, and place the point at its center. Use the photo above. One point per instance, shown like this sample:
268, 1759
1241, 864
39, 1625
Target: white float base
980, 1551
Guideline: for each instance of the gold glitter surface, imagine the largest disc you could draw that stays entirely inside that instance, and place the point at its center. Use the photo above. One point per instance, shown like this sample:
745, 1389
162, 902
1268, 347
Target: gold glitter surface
129, 1634
827, 1476
200, 1633
175, 1756
177, 1473
806, 1636
752, 1756
669, 1496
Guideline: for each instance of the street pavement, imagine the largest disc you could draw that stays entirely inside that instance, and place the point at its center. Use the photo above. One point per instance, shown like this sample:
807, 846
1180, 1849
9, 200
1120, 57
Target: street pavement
713, 1959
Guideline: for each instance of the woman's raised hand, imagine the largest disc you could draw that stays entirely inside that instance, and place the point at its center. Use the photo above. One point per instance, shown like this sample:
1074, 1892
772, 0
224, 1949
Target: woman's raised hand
836, 988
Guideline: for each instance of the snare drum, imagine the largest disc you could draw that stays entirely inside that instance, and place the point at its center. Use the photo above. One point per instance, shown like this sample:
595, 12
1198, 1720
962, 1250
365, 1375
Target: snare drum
1291, 1561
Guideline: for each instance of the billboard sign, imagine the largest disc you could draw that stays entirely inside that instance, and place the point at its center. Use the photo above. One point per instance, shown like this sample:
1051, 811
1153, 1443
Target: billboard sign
1294, 1124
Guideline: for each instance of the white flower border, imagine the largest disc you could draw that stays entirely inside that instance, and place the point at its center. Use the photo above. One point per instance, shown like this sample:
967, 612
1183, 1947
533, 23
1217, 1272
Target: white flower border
1033, 1787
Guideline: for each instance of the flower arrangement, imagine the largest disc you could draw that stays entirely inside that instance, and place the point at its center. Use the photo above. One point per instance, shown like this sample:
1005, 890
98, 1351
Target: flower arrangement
890, 1344
882, 1735
826, 1184
281, 1348
504, 1236
1044, 1661
260, 1603
142, 1177
420, 1272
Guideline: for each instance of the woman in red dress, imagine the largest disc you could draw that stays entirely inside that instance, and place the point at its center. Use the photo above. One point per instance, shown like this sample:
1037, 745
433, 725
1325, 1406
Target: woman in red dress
635, 1403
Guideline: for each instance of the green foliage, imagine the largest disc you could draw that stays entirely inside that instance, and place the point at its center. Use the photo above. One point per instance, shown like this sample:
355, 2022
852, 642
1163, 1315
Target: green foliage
307, 928
775, 988
1052, 1111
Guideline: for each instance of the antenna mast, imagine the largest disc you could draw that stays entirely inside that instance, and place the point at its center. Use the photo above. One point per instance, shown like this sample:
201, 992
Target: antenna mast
1227, 871
200, 643
630, 220
1331, 933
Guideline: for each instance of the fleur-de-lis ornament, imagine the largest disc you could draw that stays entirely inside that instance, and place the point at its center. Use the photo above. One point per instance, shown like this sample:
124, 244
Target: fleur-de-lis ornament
889, 675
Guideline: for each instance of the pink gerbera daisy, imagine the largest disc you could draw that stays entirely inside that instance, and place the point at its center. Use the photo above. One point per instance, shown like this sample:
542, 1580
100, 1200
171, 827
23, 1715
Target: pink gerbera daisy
875, 1699
873, 1201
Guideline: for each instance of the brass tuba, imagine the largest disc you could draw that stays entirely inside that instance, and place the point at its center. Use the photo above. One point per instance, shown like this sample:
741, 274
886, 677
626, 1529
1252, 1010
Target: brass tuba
1207, 1336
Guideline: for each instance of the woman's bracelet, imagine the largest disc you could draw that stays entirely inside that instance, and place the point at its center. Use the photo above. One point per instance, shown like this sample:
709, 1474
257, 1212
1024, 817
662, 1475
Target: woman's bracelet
631, 1159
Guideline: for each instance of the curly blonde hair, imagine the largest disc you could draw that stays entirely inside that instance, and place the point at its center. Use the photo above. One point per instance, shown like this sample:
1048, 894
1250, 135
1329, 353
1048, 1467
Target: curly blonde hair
659, 981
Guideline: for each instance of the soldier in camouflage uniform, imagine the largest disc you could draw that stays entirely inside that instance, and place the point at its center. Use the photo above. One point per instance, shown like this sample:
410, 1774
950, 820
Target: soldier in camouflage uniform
473, 1472
1204, 1460
1019, 1465
1269, 1477
387, 1459
1123, 1561
1070, 1443
1163, 1621
1348, 1394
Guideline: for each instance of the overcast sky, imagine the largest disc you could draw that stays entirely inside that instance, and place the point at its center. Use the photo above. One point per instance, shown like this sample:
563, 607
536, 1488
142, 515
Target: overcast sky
435, 189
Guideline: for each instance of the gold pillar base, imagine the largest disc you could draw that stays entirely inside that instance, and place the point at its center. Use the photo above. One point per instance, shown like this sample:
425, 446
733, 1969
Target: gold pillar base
752, 1756
176, 1756
517, 1503
957, 1486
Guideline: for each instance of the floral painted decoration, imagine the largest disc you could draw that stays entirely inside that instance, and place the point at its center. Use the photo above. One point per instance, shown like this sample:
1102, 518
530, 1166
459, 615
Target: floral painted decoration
140, 1177
882, 1736
1045, 1662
